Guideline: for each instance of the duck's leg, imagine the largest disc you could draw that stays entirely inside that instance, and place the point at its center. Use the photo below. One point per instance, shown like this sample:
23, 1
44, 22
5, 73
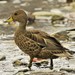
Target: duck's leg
30, 63
51, 64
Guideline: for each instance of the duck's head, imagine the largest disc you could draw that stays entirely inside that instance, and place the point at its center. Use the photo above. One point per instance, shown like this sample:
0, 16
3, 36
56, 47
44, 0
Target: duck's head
19, 16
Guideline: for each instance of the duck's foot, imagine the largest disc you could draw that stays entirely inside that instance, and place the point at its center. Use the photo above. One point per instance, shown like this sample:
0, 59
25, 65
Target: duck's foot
51, 64
51, 68
30, 64
30, 69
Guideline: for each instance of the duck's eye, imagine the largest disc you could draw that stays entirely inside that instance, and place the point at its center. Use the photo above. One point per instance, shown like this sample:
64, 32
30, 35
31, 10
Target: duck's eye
15, 14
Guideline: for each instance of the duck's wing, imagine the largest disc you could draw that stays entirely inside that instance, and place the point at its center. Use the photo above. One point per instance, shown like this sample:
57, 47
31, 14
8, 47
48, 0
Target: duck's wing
45, 39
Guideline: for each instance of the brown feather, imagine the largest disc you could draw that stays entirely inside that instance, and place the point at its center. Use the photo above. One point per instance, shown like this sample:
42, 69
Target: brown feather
45, 39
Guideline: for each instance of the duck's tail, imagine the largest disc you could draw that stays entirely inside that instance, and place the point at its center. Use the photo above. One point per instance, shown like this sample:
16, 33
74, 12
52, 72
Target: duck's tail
64, 53
69, 54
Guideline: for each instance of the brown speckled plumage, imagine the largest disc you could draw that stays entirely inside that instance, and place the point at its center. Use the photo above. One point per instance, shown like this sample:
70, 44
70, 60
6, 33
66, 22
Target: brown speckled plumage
36, 43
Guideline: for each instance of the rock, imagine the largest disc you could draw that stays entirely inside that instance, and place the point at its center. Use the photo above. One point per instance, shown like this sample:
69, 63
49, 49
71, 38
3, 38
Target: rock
42, 15
38, 9
59, 25
67, 8
41, 72
62, 1
47, 73
71, 34
21, 61
22, 72
25, 4
56, 12
16, 1
68, 69
37, 63
7, 37
69, 1
18, 62
46, 13
71, 29
2, 57
73, 38
72, 5
53, 16
19, 73
57, 18
3, 2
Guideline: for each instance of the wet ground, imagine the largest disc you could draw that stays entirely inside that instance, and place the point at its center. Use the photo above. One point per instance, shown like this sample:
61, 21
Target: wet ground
9, 49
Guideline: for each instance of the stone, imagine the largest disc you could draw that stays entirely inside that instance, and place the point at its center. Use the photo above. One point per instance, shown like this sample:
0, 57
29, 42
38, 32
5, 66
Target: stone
3, 2
19, 73
16, 1
22, 72
48, 73
68, 69
18, 62
41, 72
2, 57
57, 18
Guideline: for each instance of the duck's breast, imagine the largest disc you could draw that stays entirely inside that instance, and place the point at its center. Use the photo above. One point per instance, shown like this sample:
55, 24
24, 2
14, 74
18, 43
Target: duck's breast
27, 45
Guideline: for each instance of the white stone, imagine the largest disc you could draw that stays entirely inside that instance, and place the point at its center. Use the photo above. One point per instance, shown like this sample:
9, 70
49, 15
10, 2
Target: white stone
61, 25
56, 11
16, 1
37, 8
2, 21
2, 56
3, 2
50, 0
67, 8
62, 0
24, 4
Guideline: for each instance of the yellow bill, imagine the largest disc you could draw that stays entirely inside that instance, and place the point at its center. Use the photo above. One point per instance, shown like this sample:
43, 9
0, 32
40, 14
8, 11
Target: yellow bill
9, 20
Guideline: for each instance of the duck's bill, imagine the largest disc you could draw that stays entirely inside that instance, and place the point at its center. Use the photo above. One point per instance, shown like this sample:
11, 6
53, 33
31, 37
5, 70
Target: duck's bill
9, 20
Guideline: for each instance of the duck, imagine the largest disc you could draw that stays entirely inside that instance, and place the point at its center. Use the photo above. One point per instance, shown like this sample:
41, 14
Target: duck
31, 18
69, 2
36, 43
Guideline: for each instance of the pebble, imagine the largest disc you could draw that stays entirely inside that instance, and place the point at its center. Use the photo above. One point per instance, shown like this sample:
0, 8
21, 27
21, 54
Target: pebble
3, 2
68, 69
16, 1
25, 4
22, 72
41, 72
18, 62
37, 8
56, 11
48, 73
62, 1
2, 57
72, 5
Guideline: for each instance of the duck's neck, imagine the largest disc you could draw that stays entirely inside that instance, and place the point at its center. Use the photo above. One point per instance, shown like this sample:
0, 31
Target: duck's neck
22, 26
